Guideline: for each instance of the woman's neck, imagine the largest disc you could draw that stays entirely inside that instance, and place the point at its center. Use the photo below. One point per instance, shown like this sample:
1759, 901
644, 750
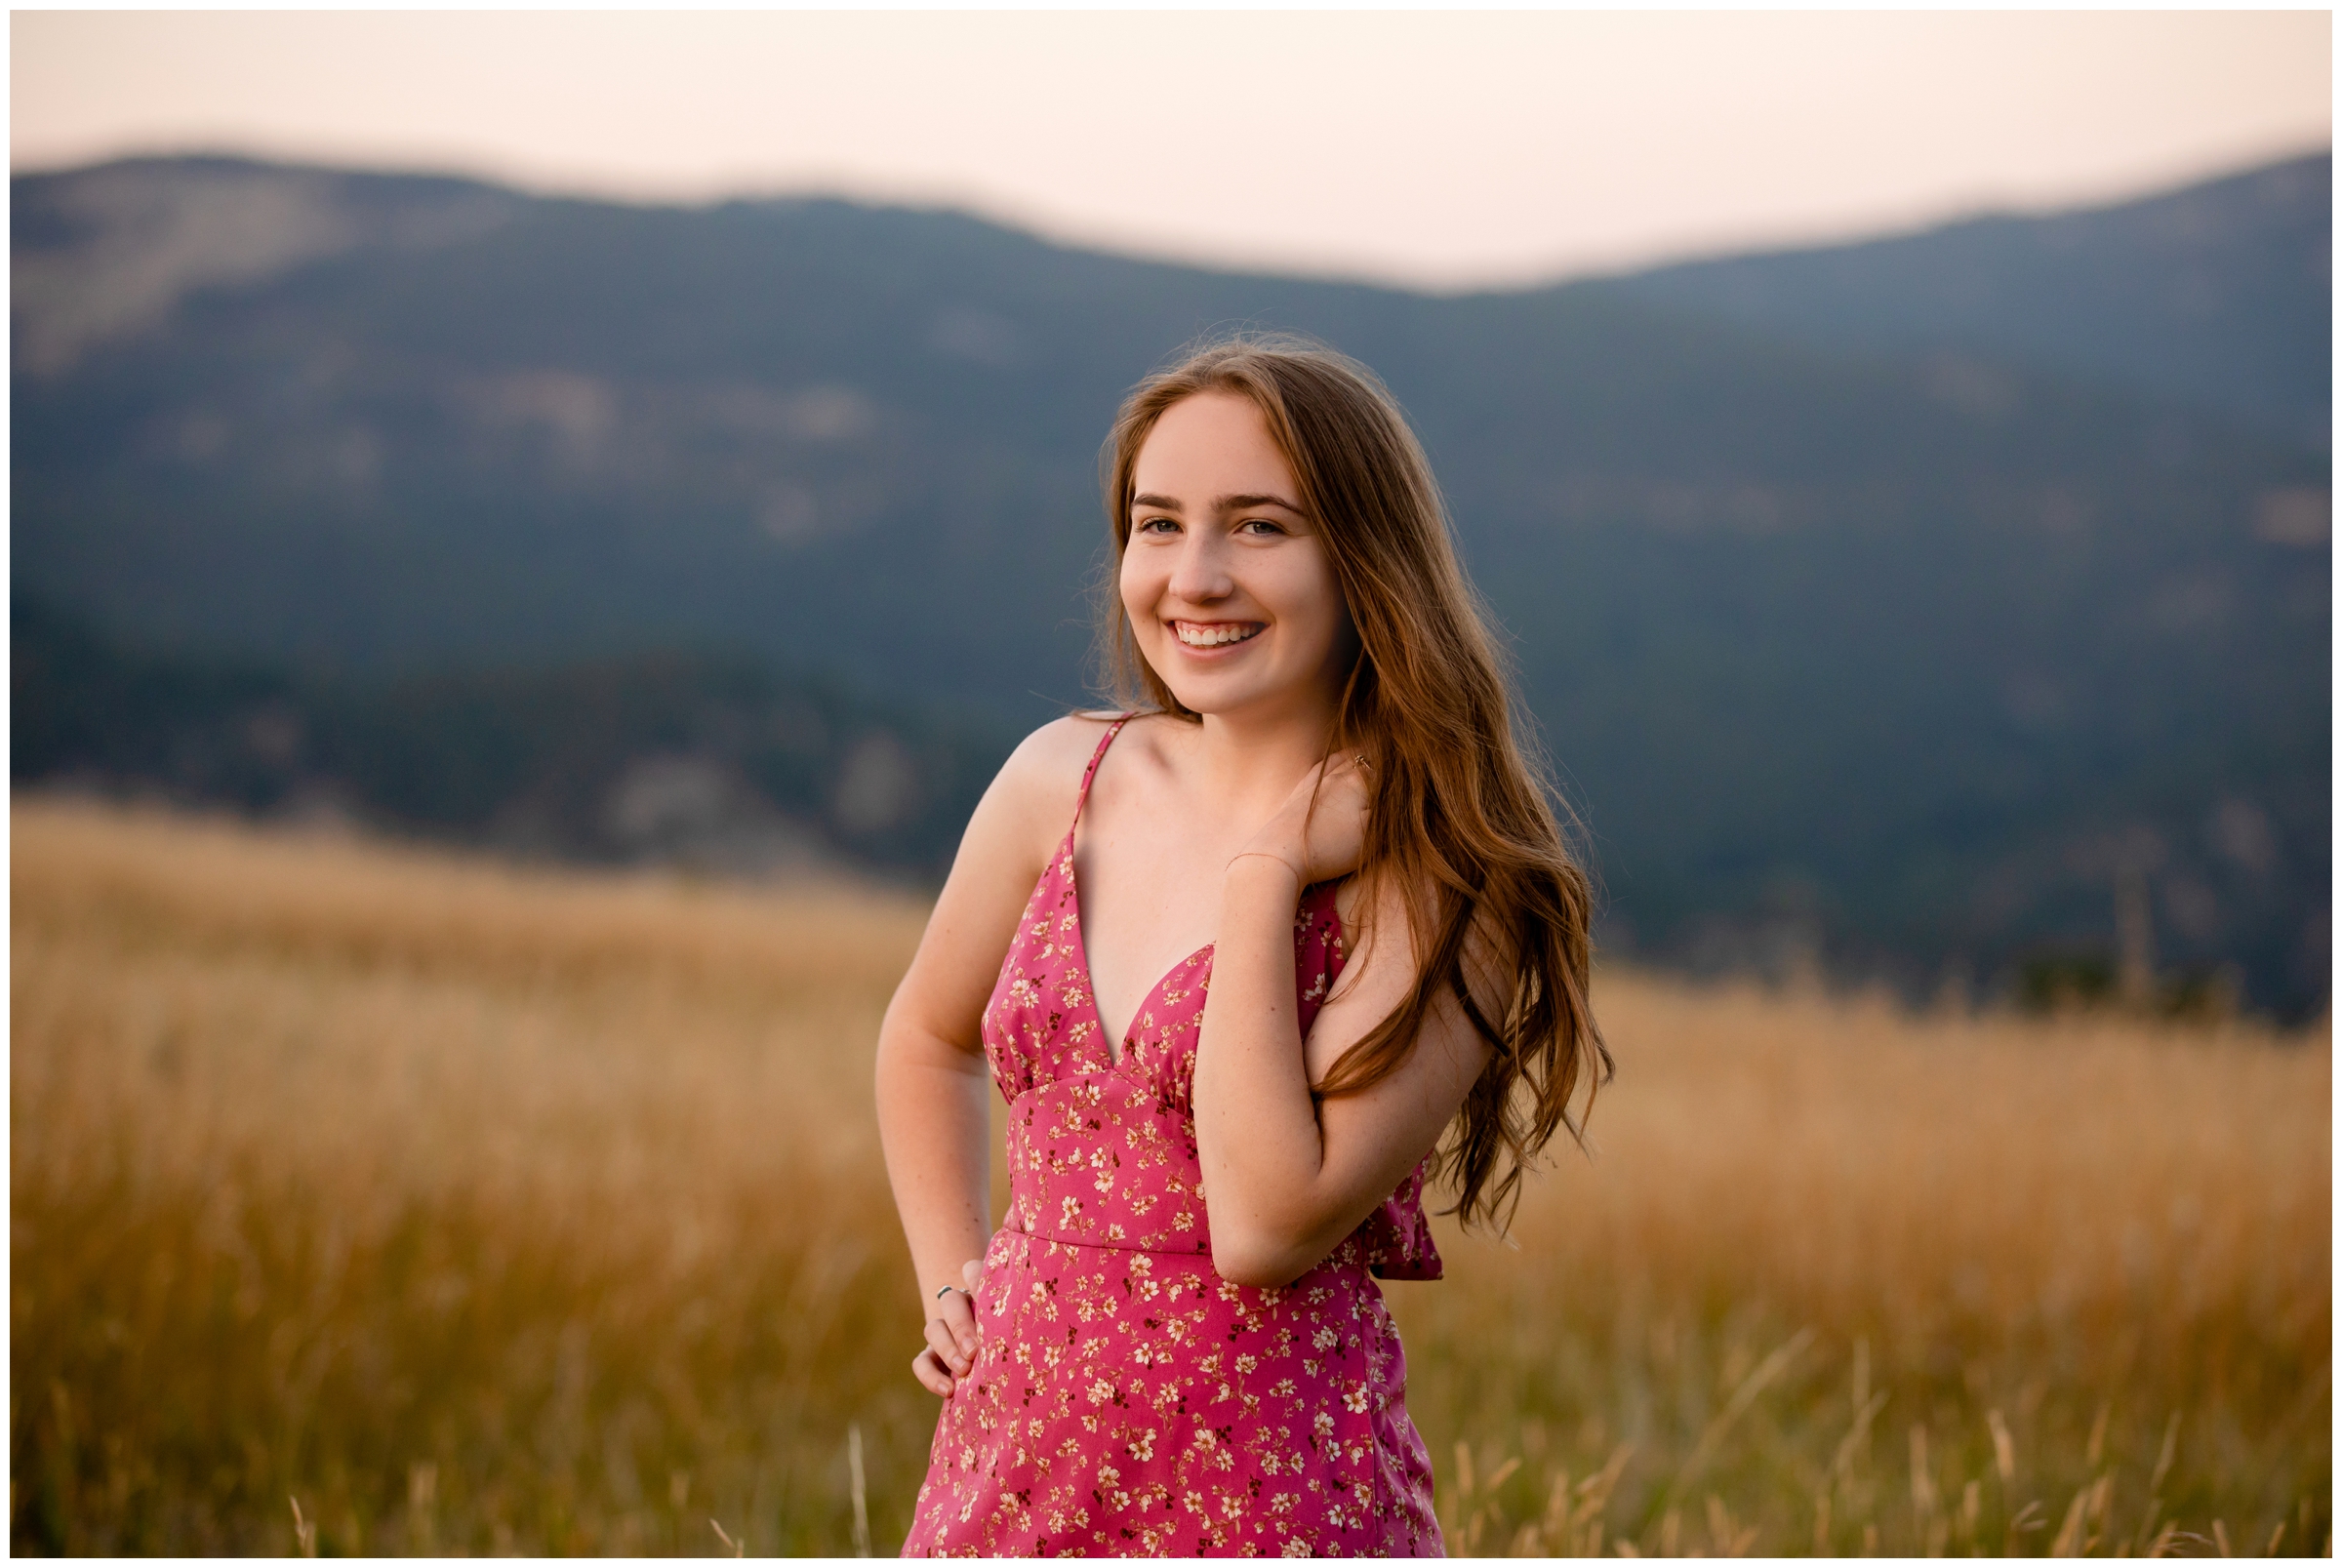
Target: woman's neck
1253, 759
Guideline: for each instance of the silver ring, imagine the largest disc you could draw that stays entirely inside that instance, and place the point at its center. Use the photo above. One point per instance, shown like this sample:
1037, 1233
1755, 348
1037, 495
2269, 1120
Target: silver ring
948, 1290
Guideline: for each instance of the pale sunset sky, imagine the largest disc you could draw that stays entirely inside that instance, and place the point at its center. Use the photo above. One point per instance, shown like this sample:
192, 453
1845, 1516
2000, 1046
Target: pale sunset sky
1434, 149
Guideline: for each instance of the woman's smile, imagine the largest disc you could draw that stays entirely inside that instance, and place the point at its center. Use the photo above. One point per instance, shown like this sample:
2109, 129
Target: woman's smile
1210, 636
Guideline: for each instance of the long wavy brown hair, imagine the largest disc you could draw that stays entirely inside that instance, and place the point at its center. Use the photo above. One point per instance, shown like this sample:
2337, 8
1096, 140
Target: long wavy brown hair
1463, 822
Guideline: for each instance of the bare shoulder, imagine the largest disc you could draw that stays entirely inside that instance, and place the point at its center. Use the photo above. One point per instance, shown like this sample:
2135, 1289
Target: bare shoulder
1045, 769
1017, 826
1030, 801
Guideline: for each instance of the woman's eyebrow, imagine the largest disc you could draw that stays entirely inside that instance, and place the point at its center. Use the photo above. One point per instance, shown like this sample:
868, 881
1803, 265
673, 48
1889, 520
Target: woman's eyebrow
1226, 503
1229, 504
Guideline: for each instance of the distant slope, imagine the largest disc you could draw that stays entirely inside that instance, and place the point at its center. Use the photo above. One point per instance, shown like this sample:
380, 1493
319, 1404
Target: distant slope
1895, 660
710, 763
2219, 294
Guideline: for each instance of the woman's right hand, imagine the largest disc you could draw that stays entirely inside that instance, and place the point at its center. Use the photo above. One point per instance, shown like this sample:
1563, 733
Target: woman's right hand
952, 1336
1320, 831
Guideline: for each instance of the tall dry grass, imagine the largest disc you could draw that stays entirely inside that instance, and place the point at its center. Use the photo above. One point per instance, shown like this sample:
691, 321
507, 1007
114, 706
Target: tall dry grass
1850, 1281
476, 1210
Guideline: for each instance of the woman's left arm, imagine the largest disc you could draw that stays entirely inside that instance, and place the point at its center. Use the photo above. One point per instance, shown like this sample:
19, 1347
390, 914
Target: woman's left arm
1286, 1178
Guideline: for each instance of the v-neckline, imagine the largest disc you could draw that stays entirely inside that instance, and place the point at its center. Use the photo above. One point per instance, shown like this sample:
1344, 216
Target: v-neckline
1115, 1054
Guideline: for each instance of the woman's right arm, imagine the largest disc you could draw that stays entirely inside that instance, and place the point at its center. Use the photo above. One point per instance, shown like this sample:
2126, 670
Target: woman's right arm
932, 1081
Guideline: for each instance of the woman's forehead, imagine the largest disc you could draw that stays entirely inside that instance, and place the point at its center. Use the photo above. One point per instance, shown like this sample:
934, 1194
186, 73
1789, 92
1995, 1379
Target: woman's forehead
1210, 445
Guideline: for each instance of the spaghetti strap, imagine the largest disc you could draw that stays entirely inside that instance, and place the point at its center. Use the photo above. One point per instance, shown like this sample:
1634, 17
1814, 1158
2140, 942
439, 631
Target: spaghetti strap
1091, 772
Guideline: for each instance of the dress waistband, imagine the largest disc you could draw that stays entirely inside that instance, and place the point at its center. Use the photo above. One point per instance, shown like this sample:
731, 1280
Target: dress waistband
1345, 1261
1203, 1252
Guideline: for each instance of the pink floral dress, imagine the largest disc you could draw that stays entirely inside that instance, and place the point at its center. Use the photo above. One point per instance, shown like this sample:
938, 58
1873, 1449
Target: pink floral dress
1126, 1399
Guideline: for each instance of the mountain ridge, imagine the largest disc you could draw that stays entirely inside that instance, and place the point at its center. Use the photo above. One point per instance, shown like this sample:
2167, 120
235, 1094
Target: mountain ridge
1882, 655
2238, 270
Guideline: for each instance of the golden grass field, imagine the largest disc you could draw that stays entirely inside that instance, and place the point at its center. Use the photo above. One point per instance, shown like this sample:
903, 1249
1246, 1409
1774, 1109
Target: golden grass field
484, 1210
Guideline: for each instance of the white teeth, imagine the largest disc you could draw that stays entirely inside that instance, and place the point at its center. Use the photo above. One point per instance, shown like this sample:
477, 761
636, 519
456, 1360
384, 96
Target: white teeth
1213, 636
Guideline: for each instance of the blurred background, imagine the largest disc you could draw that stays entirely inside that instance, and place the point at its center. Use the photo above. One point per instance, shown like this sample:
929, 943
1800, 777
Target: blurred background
1890, 604
660, 452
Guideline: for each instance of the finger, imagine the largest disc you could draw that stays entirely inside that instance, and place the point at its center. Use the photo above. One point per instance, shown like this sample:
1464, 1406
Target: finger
933, 1374
946, 1346
956, 1312
972, 1273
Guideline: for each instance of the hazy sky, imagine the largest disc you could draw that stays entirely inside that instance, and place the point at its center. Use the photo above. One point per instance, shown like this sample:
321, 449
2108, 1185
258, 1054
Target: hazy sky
1441, 149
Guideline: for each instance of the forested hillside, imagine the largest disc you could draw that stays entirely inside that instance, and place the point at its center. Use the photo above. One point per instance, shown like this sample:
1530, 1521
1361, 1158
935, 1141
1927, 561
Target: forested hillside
2220, 295
1898, 655
713, 764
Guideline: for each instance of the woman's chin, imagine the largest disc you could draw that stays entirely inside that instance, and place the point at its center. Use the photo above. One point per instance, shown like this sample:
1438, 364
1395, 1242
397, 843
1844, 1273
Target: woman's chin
1229, 680
1222, 699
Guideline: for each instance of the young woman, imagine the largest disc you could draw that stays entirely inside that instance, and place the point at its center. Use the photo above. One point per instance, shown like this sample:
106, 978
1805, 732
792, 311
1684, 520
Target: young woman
1267, 937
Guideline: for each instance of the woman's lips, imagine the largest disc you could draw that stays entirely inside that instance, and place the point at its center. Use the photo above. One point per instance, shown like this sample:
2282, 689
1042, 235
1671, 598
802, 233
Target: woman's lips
1203, 636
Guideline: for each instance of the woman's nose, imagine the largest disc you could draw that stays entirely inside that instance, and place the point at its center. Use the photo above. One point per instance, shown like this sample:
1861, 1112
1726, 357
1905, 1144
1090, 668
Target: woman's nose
1201, 574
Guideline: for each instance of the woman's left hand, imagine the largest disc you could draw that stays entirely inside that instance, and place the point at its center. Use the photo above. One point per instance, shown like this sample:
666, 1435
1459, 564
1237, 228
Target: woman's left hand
952, 1335
1320, 831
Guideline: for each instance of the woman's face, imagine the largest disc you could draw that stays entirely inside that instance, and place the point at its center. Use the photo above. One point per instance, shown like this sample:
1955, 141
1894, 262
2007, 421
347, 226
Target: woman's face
1226, 580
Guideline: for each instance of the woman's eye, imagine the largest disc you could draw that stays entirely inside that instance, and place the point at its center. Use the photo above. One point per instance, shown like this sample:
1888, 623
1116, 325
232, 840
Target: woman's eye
1157, 525
1260, 525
